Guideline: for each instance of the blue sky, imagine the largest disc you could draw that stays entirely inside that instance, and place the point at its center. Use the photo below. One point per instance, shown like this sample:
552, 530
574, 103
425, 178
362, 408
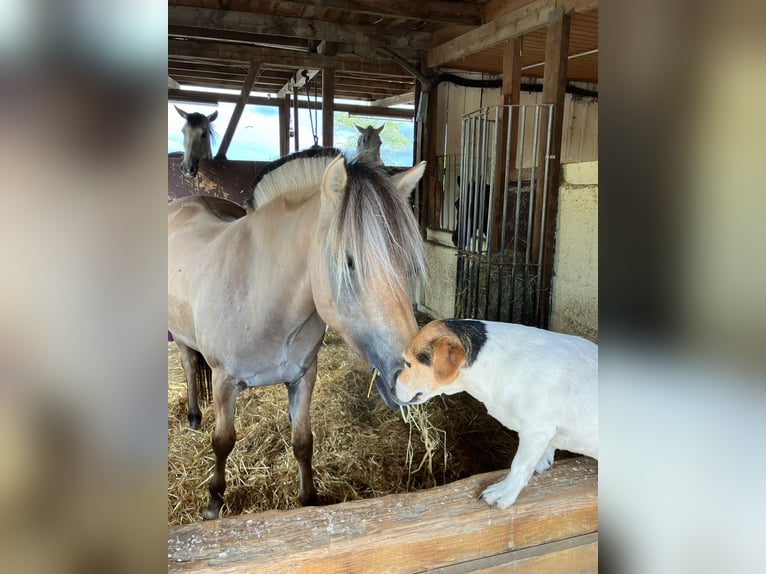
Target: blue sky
257, 135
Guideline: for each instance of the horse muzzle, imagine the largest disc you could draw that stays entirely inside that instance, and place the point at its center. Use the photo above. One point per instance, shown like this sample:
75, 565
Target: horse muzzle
189, 169
386, 388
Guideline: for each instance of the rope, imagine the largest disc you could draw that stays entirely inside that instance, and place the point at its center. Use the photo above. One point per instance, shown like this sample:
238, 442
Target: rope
314, 119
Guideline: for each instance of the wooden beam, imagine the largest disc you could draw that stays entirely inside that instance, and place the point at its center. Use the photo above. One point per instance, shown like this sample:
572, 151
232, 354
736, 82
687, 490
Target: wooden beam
505, 27
313, 29
410, 68
507, 134
554, 92
328, 108
284, 126
428, 10
265, 40
190, 49
552, 527
214, 98
328, 97
405, 98
295, 120
297, 81
247, 86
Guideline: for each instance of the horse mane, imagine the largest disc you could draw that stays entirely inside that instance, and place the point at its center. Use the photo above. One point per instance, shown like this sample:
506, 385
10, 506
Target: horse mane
373, 235
295, 171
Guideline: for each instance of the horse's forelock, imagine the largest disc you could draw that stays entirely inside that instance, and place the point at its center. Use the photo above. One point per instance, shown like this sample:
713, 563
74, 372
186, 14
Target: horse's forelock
375, 227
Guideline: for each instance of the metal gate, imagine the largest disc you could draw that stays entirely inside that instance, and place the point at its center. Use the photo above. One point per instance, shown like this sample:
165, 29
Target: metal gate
503, 188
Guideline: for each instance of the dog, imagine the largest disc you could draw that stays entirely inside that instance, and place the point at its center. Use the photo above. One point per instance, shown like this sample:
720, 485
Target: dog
542, 384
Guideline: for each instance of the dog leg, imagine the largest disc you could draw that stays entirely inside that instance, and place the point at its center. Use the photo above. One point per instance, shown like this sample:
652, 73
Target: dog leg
532, 448
547, 461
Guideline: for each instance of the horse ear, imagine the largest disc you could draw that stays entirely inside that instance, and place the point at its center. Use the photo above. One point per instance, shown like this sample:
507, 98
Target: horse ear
211, 117
406, 181
334, 179
360, 130
182, 113
380, 129
448, 358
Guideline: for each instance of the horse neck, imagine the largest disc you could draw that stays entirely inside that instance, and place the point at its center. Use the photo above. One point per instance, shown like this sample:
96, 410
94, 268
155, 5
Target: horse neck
290, 219
208, 146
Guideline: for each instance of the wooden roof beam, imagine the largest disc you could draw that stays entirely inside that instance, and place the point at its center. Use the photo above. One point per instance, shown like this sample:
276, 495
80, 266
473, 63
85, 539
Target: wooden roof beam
297, 81
506, 26
273, 58
463, 13
214, 98
237, 21
265, 40
405, 98
247, 86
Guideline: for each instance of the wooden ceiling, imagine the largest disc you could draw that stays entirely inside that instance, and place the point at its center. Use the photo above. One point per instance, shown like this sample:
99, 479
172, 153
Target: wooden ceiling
374, 46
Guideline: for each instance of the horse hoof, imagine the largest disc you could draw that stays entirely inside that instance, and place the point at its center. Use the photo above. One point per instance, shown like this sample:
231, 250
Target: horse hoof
194, 420
211, 513
309, 500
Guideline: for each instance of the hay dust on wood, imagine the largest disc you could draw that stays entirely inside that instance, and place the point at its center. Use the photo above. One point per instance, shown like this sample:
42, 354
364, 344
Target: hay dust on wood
361, 448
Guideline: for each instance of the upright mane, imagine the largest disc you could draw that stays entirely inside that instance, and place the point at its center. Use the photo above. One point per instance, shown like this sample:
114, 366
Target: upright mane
373, 235
295, 171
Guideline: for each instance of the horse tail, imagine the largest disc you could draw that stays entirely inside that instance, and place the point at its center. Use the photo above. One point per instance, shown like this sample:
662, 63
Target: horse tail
203, 380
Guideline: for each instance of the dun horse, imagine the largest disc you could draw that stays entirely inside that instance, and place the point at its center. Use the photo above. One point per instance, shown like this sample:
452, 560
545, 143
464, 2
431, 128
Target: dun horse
368, 144
197, 134
329, 242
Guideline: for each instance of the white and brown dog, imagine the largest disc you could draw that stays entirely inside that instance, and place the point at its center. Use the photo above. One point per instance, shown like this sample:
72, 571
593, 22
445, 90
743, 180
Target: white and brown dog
542, 384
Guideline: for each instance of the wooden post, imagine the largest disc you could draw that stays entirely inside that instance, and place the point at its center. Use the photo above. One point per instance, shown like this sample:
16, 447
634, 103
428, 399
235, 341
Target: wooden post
554, 92
295, 119
328, 107
284, 125
252, 74
511, 95
432, 200
328, 97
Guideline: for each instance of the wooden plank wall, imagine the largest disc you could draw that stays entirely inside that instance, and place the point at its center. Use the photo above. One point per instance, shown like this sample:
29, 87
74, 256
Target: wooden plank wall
221, 178
553, 527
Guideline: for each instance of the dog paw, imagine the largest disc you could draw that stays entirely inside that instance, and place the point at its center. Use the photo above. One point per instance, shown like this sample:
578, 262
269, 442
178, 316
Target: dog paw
499, 495
546, 461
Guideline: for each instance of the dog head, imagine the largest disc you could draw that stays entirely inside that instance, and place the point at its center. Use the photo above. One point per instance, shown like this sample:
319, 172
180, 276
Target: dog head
432, 363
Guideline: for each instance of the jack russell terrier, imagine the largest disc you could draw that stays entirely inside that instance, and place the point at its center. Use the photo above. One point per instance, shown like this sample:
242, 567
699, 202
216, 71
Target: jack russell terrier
542, 384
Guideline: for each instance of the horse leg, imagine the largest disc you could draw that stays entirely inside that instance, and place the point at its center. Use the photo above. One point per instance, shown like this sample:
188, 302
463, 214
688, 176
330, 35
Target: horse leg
191, 366
224, 400
299, 395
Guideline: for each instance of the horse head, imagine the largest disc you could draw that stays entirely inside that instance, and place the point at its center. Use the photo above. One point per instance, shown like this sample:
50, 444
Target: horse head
368, 247
368, 143
197, 135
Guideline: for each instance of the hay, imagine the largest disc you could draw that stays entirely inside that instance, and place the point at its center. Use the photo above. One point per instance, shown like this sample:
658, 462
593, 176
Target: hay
361, 448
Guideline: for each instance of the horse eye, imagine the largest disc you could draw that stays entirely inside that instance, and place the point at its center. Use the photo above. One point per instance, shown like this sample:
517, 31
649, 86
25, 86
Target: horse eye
350, 262
204, 133
407, 364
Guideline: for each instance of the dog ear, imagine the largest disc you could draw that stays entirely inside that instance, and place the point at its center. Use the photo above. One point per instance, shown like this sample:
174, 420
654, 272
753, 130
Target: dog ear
449, 357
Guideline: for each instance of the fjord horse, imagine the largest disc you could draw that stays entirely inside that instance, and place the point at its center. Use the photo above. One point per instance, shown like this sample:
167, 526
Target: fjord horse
329, 242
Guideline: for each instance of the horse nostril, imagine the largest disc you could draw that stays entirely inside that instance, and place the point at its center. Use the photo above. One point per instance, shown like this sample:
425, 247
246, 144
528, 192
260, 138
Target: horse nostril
417, 396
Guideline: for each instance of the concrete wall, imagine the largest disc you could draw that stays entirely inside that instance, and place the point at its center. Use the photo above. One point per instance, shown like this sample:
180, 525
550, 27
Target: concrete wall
574, 308
437, 299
